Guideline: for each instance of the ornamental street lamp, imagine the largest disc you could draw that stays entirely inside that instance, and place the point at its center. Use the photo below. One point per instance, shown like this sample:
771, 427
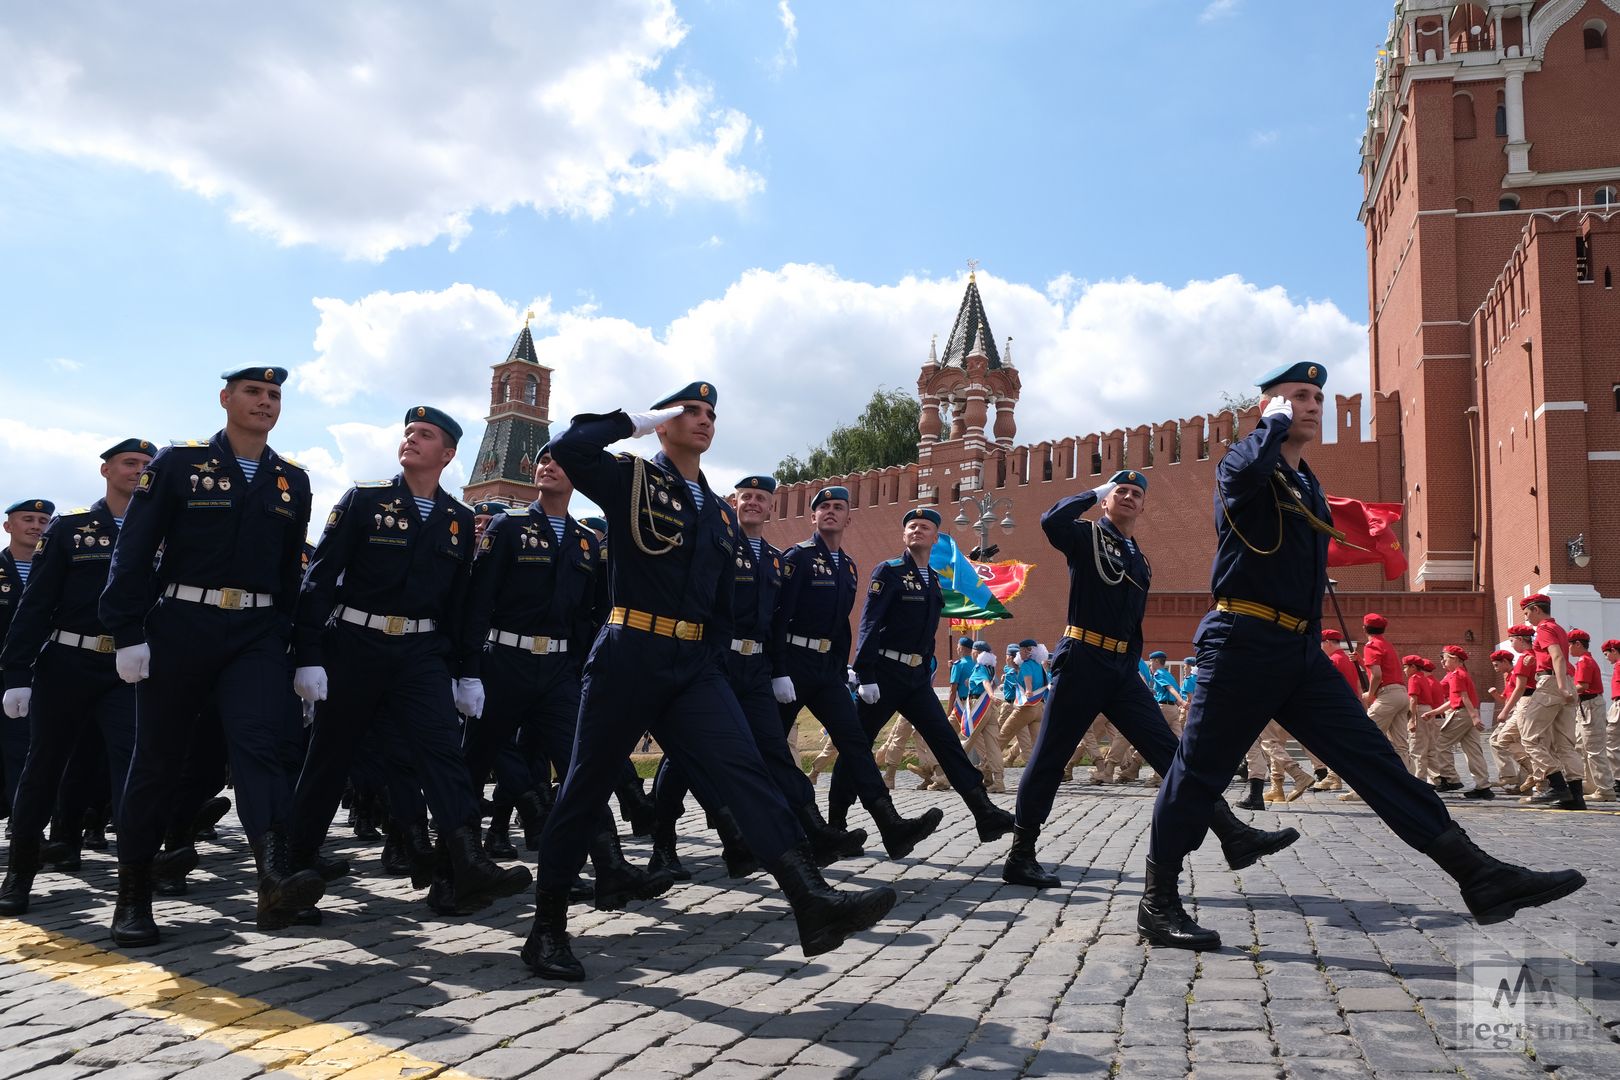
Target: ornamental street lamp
987, 506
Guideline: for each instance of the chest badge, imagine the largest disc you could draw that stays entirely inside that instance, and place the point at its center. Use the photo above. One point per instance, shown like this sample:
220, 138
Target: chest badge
286, 494
455, 529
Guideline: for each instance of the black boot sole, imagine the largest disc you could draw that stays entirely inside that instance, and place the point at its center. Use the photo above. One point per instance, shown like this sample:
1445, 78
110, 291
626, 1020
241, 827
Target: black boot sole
865, 913
994, 828
1513, 905
672, 867
1014, 876
564, 972
1247, 805
655, 885
903, 843
495, 849
296, 894
1148, 935
507, 883
1239, 860
137, 938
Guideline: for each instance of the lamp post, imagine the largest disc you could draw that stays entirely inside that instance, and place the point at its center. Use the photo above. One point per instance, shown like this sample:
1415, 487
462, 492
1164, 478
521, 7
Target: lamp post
987, 506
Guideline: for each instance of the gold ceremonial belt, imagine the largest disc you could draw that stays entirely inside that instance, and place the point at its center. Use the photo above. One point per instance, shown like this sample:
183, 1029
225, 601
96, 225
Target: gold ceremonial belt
1091, 637
656, 624
97, 643
1261, 611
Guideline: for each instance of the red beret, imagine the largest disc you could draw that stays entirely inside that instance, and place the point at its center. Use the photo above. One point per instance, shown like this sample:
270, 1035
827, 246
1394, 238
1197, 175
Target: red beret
1413, 660
1521, 630
1581, 636
1456, 650
1504, 656
1428, 665
1535, 598
1612, 643
1374, 621
1332, 635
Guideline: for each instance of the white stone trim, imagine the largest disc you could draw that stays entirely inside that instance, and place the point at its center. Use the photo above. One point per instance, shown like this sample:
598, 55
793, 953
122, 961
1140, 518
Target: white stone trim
1559, 406
1565, 178
1603, 455
1546, 22
1445, 570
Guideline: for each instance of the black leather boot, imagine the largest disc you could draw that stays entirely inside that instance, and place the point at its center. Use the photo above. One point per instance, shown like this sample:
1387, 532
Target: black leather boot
740, 861
95, 829
902, 834
1577, 796
636, 806
498, 840
132, 923
665, 858
1557, 793
283, 892
416, 844
207, 816
21, 866
993, 822
330, 867
838, 808
532, 810
1494, 890
1255, 800
828, 844
1160, 918
546, 951
177, 859
396, 860
1243, 844
826, 916
476, 878
1021, 867
617, 881
63, 849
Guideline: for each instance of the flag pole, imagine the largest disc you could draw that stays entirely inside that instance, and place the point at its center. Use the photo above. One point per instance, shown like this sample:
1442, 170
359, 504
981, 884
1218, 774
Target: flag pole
1344, 628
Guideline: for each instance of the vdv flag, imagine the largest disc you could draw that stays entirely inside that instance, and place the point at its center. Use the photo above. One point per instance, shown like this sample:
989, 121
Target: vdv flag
966, 596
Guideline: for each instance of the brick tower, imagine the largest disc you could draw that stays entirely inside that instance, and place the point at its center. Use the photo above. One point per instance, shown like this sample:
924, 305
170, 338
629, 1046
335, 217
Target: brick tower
964, 385
1491, 163
518, 425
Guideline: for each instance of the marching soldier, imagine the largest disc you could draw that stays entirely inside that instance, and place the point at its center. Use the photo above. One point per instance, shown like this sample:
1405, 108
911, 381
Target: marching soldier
810, 642
1258, 658
894, 656
25, 524
747, 665
58, 663
230, 516
379, 607
1095, 671
656, 667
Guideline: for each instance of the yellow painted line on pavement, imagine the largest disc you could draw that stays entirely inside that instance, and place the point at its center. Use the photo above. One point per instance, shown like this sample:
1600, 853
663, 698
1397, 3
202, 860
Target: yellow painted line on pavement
275, 1038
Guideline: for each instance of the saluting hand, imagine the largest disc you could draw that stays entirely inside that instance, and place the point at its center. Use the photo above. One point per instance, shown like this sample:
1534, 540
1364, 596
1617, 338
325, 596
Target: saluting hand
1277, 406
647, 422
134, 662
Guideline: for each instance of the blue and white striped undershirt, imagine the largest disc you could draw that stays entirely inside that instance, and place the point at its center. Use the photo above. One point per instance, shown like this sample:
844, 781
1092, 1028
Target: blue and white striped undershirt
249, 466
423, 506
558, 526
22, 570
697, 493
758, 545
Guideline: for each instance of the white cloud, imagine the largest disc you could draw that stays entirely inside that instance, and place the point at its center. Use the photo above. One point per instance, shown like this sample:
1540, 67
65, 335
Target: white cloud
794, 351
372, 127
52, 463
65, 364
788, 55
365, 452
1262, 139
1218, 9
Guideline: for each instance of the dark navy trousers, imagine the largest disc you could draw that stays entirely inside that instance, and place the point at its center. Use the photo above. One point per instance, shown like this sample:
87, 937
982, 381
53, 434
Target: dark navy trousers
637, 681
822, 686
78, 697
236, 660
1251, 671
907, 691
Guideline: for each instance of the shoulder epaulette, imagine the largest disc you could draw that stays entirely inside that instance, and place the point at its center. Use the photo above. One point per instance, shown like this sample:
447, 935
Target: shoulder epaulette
458, 503
190, 442
75, 510
810, 543
295, 464
516, 511
374, 484
625, 455
898, 560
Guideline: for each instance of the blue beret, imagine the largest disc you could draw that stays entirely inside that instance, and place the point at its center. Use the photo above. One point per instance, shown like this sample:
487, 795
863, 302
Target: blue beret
965, 641
596, 523
1129, 476
32, 506
490, 508
698, 391
440, 419
275, 376
767, 484
1157, 655
981, 644
1189, 660
1027, 643
1306, 371
829, 493
922, 512
1011, 649
129, 446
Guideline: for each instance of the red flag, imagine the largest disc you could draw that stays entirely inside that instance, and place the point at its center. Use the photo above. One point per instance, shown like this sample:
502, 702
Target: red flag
1369, 535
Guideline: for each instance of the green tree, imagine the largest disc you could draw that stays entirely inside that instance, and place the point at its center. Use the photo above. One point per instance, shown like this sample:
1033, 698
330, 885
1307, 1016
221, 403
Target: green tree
884, 434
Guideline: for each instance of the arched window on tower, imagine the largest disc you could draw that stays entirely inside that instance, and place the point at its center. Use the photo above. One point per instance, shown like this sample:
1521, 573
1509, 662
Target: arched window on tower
1501, 115
1605, 197
531, 390
1595, 38
1462, 116
1508, 202
506, 389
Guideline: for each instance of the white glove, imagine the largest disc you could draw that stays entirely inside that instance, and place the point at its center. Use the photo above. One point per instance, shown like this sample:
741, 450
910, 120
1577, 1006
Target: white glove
470, 697
647, 422
17, 702
783, 689
1104, 491
1278, 406
869, 693
309, 683
134, 662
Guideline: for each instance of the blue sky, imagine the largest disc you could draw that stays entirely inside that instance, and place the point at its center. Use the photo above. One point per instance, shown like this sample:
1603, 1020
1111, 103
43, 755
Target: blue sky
780, 197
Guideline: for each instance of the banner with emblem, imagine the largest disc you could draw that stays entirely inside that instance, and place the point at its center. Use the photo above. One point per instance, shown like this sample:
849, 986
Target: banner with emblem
1006, 580
967, 596
1369, 535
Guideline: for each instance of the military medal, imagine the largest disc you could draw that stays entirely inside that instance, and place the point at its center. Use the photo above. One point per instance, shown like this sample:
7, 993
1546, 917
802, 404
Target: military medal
281, 482
77, 540
388, 520
455, 527
105, 541
544, 542
194, 479
404, 523
663, 497
676, 503
378, 519
224, 483
208, 483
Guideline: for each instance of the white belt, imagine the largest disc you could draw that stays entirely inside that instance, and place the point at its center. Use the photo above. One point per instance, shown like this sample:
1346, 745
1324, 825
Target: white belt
392, 625
229, 599
907, 658
101, 643
820, 645
543, 646
746, 647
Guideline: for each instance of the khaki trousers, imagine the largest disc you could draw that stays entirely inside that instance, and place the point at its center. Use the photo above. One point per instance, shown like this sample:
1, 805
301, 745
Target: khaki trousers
1547, 725
1458, 732
1593, 741
1507, 747
1018, 725
986, 739
1389, 712
1423, 737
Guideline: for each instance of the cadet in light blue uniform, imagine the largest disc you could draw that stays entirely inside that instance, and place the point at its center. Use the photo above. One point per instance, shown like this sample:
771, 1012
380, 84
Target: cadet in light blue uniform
1259, 658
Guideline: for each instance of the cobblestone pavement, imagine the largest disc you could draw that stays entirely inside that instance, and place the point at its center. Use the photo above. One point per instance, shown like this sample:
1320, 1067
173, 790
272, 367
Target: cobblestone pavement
1342, 959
